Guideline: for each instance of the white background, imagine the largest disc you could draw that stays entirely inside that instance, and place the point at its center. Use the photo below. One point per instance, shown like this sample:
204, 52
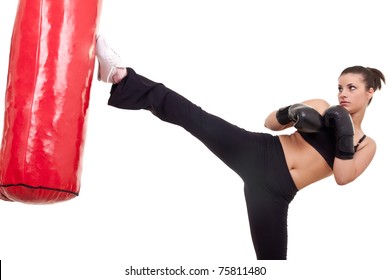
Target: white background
152, 195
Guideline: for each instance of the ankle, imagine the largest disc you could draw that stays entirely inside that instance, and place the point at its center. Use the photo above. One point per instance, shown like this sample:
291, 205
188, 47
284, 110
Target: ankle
120, 73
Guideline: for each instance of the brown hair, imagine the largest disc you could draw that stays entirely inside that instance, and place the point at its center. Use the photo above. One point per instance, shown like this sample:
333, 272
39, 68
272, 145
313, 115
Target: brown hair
371, 76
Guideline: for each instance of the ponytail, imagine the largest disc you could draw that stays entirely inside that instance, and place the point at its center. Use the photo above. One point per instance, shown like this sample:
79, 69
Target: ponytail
376, 80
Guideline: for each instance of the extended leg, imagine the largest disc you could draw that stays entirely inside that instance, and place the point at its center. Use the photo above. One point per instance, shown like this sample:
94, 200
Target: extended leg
231, 144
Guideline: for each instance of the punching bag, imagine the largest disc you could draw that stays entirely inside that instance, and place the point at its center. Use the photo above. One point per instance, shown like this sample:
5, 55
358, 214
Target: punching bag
50, 73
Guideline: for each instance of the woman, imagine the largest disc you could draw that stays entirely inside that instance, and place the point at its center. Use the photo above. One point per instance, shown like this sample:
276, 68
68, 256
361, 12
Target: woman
328, 140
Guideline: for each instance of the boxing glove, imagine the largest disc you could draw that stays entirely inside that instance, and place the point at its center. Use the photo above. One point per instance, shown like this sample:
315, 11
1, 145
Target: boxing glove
339, 119
305, 118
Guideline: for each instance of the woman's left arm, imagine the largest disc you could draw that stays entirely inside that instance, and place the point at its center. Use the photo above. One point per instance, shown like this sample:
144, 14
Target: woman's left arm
345, 171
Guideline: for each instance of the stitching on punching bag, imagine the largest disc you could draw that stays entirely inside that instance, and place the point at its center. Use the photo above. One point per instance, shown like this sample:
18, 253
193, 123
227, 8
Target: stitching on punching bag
38, 187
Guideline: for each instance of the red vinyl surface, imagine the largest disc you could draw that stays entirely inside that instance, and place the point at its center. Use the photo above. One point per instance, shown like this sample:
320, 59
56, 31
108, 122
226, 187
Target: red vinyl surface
49, 80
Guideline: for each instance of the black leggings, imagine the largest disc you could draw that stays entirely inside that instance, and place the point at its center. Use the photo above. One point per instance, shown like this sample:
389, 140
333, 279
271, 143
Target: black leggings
256, 157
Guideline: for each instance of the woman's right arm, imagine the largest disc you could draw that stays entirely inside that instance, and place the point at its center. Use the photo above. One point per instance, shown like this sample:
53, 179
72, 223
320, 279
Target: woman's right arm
272, 123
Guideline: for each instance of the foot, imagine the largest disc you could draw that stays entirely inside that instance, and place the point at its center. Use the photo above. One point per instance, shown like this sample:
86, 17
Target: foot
108, 61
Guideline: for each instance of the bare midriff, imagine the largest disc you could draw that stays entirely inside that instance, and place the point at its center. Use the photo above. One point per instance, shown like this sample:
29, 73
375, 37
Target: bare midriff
305, 164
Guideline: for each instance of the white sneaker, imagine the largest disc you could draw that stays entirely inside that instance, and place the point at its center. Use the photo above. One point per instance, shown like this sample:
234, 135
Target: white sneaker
108, 60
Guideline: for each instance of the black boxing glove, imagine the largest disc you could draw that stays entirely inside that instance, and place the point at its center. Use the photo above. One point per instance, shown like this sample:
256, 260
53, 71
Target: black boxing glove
339, 119
305, 118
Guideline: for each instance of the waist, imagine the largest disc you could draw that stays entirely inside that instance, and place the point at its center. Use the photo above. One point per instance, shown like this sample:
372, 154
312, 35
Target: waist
306, 165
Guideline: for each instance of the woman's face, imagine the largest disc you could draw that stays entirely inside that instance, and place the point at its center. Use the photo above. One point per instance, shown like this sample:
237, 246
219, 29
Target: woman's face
353, 94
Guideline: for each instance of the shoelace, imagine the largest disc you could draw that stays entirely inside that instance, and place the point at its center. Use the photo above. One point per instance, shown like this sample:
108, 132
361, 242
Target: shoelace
113, 59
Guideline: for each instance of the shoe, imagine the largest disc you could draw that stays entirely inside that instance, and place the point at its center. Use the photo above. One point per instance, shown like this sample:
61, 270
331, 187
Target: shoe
108, 60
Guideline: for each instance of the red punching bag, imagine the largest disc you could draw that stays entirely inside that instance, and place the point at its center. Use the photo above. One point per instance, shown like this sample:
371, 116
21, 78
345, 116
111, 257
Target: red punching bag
50, 73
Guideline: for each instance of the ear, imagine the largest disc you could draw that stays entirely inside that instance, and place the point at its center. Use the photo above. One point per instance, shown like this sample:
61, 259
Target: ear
370, 93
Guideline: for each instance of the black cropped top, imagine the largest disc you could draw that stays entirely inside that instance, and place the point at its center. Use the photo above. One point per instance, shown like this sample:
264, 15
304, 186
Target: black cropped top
324, 142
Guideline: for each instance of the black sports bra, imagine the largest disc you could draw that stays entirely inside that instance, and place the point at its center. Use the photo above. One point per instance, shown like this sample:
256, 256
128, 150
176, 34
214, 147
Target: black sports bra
360, 141
324, 142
